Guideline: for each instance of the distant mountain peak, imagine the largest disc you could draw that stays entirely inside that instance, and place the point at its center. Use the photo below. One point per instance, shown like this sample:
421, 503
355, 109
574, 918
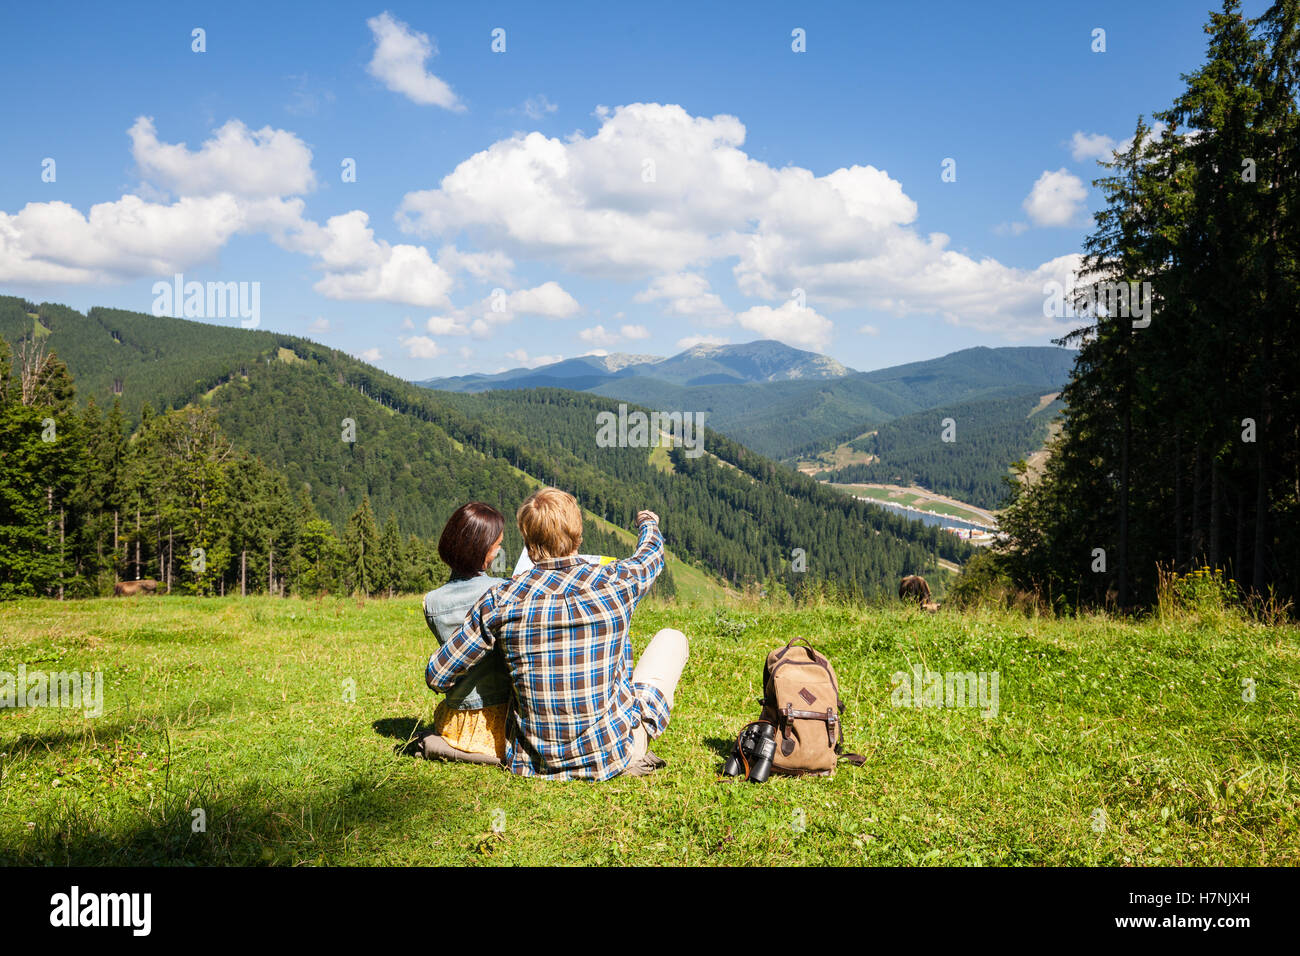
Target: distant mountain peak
763, 360
616, 361
709, 348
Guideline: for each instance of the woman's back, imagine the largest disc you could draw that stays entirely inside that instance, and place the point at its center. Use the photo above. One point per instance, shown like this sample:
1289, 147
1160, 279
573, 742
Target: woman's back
487, 683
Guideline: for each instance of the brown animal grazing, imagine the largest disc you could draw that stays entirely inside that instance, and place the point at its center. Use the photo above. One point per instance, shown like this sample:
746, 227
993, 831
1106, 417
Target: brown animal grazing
914, 588
129, 588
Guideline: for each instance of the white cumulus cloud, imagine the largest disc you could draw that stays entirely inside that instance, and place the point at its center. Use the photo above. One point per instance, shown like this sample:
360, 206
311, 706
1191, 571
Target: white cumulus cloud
227, 187
421, 347
446, 325
657, 195
548, 300
789, 323
1091, 146
1100, 146
597, 335
1056, 199
491, 266
235, 160
360, 267
686, 294
399, 62
521, 358
129, 238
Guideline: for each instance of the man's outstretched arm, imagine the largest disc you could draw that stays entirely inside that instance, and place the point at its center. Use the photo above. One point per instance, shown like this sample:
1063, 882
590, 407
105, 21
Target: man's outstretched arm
645, 564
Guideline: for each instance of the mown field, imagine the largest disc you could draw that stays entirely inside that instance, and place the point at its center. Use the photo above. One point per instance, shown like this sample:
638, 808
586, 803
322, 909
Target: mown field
1115, 743
890, 495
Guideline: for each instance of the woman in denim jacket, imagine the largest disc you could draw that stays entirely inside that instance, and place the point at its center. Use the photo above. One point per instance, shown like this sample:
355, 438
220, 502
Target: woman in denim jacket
470, 722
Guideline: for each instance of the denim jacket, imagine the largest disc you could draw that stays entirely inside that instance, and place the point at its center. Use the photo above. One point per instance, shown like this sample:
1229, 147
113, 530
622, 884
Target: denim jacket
486, 683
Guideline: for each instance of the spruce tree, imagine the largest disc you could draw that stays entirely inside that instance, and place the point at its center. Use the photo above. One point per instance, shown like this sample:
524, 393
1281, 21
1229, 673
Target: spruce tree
362, 561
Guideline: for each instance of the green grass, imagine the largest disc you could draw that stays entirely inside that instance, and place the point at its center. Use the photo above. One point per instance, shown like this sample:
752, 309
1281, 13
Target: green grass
943, 508
238, 708
659, 458
879, 494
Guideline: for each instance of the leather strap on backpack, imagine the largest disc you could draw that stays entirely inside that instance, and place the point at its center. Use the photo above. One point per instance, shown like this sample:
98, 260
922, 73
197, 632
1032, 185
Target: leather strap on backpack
831, 719
812, 651
827, 715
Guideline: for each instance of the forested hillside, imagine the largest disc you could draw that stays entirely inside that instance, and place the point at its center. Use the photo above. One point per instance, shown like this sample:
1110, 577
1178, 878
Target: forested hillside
342, 432
135, 357
775, 419
987, 436
83, 505
740, 512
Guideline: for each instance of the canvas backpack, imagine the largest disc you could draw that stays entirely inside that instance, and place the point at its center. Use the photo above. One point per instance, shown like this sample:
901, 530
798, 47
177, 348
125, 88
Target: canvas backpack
801, 698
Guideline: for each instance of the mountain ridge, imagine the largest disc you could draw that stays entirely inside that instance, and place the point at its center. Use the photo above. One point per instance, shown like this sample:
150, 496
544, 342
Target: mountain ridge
762, 360
788, 403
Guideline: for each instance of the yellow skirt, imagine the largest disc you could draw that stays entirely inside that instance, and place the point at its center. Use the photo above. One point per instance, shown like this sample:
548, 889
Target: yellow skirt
473, 731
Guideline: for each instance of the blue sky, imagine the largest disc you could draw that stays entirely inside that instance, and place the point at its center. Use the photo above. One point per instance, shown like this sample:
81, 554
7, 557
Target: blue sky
621, 178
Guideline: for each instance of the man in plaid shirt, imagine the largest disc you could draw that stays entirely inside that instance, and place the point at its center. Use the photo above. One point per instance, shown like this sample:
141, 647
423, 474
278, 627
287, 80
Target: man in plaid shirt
580, 709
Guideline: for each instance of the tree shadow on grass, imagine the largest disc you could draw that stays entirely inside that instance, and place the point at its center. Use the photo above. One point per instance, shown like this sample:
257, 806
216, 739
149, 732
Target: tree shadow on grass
257, 824
247, 827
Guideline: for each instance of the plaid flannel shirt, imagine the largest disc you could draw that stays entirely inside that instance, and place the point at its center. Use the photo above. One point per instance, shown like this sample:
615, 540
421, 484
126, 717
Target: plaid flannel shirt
563, 628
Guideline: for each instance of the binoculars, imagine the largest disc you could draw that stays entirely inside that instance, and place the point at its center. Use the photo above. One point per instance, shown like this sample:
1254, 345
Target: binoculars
753, 752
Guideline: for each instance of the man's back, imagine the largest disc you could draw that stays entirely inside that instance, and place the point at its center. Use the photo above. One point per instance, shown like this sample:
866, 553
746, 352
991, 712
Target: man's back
562, 627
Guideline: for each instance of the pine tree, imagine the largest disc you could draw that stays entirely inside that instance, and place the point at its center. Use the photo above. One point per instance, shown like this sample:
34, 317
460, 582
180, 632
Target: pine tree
180, 470
316, 559
362, 562
40, 460
391, 558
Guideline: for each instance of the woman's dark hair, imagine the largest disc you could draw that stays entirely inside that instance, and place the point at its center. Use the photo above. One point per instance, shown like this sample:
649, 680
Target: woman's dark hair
468, 537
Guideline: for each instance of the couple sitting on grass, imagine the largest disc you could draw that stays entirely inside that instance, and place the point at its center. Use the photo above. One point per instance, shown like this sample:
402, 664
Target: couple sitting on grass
538, 669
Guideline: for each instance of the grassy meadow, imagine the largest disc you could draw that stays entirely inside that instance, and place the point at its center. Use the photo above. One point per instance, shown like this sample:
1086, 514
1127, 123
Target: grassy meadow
1115, 743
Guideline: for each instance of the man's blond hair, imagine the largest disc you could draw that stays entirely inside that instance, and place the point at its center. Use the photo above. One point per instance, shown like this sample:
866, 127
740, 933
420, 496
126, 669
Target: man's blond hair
551, 523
